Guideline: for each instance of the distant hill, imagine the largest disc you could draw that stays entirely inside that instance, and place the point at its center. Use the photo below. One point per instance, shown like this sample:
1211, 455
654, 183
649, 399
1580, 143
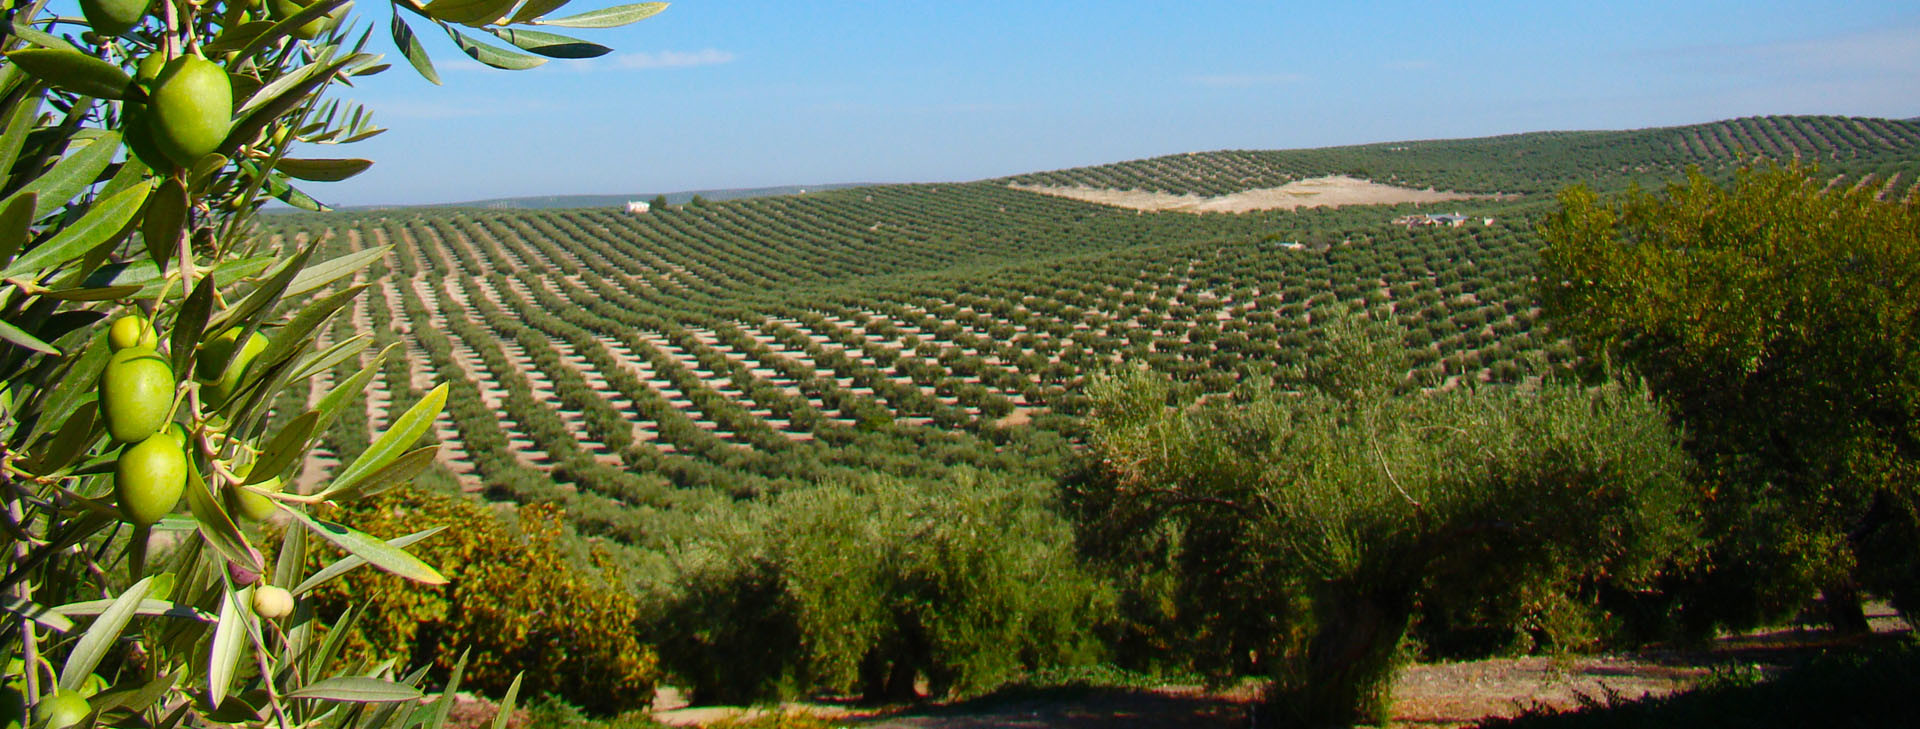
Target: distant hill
1535, 162
606, 201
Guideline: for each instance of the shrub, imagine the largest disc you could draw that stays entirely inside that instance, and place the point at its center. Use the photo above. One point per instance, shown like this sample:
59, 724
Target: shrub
1308, 527
867, 585
521, 594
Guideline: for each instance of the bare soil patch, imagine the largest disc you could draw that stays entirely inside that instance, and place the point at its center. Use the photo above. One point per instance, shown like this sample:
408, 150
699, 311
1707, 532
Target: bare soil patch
1331, 191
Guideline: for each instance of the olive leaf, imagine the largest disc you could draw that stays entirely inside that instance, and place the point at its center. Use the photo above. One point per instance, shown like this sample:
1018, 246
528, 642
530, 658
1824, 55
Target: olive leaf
533, 9
99, 225
406, 430
551, 45
74, 71
469, 12
320, 274
151, 607
334, 355
492, 56
613, 17
217, 526
77, 170
505, 712
223, 657
16, 221
102, 635
373, 550
415, 52
356, 689
13, 334
165, 221
349, 563
284, 449
49, 618
322, 170
19, 122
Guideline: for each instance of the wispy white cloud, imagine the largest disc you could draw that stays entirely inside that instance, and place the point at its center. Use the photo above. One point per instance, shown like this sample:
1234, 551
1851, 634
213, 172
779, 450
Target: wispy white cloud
646, 61
387, 108
1880, 50
957, 107
1244, 80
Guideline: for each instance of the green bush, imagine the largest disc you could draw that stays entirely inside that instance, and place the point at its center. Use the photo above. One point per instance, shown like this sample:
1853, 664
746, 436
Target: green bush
1303, 532
1776, 317
872, 584
520, 595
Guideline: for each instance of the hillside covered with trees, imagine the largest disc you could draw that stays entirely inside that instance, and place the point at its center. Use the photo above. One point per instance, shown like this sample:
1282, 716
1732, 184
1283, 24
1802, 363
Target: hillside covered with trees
761, 404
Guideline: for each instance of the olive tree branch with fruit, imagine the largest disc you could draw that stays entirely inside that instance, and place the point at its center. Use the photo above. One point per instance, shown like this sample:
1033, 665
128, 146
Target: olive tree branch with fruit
147, 335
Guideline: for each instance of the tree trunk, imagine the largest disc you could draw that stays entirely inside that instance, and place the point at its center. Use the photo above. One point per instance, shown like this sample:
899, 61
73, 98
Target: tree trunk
1845, 613
886, 679
1347, 675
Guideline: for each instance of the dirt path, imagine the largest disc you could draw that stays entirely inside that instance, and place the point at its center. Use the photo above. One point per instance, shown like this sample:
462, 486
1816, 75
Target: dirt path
1426, 695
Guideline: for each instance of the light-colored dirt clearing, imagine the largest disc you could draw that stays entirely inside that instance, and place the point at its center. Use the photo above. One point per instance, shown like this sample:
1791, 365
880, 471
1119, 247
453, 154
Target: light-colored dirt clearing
1331, 191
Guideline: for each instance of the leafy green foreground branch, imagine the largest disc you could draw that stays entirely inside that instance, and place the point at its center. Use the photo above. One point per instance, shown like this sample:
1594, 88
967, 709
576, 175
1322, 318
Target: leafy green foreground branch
157, 356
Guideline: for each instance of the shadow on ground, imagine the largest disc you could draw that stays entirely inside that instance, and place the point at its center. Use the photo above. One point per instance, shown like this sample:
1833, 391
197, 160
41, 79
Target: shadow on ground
1074, 708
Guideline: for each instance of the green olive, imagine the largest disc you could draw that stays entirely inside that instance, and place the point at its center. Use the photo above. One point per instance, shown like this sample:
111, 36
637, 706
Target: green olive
61, 710
148, 69
272, 602
93, 685
148, 479
76, 435
219, 385
136, 393
132, 331
283, 9
138, 136
253, 505
190, 109
113, 17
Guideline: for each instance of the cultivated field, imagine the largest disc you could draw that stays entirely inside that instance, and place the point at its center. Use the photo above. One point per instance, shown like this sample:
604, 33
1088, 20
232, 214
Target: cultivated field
611, 360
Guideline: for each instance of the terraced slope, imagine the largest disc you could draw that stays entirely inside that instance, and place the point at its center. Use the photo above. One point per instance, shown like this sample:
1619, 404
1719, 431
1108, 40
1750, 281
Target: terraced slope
1539, 162
616, 361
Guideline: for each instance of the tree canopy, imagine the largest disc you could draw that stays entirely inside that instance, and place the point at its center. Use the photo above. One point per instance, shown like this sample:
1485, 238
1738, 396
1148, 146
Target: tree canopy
1310, 527
1779, 317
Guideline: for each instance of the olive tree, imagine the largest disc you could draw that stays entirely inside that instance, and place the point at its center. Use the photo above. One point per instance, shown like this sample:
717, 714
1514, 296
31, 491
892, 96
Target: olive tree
157, 354
1779, 317
873, 584
1307, 527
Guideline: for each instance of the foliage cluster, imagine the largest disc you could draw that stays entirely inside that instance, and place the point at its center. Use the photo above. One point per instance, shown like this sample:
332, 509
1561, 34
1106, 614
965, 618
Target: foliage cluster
872, 585
151, 345
1780, 319
1302, 533
517, 597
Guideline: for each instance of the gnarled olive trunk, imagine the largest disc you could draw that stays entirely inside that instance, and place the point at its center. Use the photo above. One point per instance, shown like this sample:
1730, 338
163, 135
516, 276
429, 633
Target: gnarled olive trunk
1346, 675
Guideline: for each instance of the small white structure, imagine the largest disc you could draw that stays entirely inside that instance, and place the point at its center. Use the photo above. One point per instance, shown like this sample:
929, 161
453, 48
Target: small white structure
1453, 220
638, 206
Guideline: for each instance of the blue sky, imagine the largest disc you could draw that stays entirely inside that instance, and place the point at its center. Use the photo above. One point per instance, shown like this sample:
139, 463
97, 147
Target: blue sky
748, 93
